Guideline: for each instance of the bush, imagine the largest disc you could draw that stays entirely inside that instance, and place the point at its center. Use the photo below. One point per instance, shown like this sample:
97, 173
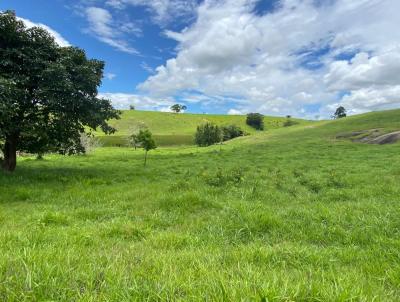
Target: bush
208, 134
289, 122
231, 131
255, 120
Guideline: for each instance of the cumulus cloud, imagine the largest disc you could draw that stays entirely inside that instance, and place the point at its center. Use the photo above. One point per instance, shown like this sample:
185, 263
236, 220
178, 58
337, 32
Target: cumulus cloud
60, 40
103, 26
302, 58
141, 102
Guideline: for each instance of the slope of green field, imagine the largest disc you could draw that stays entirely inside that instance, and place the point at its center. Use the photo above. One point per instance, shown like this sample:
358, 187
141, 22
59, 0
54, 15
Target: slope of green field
173, 129
291, 214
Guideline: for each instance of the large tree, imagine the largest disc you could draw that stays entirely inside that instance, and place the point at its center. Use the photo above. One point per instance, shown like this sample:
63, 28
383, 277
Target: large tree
48, 93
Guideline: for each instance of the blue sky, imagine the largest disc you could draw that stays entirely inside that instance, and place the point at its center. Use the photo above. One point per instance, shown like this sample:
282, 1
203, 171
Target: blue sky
279, 57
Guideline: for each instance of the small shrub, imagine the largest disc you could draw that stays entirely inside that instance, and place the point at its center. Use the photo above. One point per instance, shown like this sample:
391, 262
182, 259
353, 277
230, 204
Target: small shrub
255, 120
231, 131
289, 122
208, 134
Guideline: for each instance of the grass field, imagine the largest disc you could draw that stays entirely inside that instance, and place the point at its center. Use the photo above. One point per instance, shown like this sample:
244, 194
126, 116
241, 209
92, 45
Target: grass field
173, 129
291, 214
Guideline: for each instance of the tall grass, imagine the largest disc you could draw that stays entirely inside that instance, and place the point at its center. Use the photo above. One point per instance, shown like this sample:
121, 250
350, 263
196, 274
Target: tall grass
293, 214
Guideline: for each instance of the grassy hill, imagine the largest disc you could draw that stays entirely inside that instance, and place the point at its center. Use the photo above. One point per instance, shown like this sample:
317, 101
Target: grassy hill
172, 129
289, 214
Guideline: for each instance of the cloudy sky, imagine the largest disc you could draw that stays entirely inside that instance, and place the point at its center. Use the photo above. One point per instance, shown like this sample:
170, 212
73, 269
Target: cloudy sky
278, 57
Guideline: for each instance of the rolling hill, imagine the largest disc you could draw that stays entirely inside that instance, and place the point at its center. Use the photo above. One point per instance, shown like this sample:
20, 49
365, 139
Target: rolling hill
172, 129
301, 213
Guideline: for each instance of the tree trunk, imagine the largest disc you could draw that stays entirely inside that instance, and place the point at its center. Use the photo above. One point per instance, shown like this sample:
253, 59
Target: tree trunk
10, 154
145, 158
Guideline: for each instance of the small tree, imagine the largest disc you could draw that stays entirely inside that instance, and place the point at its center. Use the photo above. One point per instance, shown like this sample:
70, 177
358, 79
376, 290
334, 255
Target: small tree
178, 108
340, 113
208, 134
255, 120
132, 107
146, 141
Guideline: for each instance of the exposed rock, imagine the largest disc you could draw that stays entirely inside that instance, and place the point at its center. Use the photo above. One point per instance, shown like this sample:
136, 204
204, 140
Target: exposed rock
389, 138
371, 136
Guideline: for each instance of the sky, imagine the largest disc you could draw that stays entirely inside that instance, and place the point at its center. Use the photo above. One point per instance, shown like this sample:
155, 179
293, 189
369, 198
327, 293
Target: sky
278, 57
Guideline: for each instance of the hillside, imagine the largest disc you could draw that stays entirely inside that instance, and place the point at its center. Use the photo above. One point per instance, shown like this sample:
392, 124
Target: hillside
289, 214
171, 129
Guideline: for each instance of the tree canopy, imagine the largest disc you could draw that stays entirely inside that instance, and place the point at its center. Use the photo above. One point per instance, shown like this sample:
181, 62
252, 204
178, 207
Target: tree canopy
340, 112
146, 141
255, 120
48, 93
178, 108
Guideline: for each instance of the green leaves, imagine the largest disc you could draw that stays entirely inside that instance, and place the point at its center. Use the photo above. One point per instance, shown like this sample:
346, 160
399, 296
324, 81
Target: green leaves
48, 93
145, 139
208, 134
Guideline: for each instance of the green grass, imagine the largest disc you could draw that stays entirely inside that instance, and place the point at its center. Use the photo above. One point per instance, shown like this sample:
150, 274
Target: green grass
291, 214
172, 129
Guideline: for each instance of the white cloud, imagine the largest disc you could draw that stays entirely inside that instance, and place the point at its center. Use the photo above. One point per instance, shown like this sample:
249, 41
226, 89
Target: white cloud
123, 100
364, 71
266, 59
147, 67
107, 30
234, 112
110, 76
60, 40
163, 11
373, 98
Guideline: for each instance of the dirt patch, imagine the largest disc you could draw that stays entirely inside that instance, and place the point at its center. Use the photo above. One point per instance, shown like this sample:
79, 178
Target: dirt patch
371, 136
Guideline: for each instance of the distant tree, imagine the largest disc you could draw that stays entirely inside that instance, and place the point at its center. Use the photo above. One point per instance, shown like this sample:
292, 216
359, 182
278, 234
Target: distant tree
132, 107
289, 122
208, 134
340, 113
178, 108
48, 93
231, 131
255, 120
146, 141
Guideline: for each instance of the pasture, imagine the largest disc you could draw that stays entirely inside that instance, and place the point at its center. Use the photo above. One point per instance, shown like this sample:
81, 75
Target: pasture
288, 214
173, 129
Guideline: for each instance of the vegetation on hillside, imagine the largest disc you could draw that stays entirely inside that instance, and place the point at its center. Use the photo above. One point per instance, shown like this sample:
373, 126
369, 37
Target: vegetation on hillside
291, 214
171, 129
